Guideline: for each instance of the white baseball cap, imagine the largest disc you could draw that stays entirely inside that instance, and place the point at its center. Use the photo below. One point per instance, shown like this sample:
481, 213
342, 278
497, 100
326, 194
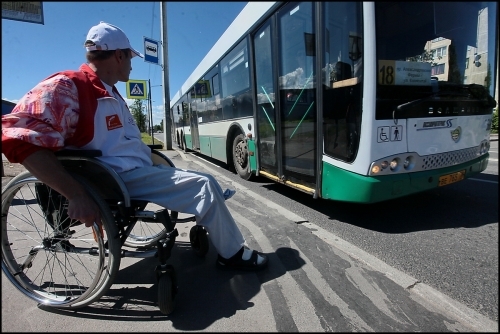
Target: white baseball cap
106, 36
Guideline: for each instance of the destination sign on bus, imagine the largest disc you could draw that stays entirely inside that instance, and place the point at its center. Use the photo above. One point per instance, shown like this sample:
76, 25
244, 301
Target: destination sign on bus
201, 89
396, 72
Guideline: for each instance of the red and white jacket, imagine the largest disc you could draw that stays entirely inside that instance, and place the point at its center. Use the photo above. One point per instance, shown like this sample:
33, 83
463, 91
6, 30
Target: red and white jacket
73, 109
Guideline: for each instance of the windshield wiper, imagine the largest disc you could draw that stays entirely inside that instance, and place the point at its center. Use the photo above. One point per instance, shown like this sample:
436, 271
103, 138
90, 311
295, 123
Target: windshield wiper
471, 91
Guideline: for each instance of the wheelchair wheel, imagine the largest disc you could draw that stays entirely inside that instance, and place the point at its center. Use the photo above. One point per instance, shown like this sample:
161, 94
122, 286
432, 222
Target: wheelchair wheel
50, 258
147, 234
199, 240
166, 292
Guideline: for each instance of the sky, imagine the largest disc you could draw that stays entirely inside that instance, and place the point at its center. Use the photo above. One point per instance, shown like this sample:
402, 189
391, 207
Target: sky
32, 52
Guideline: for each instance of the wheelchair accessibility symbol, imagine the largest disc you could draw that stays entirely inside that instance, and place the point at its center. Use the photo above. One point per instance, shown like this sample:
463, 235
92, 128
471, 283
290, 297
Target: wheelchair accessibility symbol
383, 134
389, 133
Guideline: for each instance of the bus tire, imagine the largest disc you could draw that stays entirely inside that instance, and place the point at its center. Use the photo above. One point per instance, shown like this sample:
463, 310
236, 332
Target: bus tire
240, 157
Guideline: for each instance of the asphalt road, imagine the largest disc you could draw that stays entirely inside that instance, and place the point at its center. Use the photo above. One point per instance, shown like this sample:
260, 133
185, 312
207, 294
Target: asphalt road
448, 237
425, 263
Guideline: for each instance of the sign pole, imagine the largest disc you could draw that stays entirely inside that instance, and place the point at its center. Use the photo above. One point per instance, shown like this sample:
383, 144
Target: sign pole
167, 121
150, 112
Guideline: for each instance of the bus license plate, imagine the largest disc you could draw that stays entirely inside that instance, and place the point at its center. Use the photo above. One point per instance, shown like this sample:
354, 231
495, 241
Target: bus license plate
451, 178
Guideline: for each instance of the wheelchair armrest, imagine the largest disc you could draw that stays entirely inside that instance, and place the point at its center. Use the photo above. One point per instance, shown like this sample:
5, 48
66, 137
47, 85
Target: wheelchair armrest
78, 153
155, 147
103, 177
159, 158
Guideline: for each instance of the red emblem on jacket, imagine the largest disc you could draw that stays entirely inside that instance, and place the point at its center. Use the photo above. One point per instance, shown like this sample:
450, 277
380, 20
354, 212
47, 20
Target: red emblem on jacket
113, 122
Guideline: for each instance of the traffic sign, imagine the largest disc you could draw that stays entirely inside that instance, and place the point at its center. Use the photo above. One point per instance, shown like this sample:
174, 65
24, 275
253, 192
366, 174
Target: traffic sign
151, 48
136, 89
27, 11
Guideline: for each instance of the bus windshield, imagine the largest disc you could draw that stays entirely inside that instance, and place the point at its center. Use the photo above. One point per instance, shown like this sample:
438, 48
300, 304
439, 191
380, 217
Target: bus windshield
435, 51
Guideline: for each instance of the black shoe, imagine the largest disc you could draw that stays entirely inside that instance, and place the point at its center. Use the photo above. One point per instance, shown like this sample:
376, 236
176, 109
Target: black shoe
236, 262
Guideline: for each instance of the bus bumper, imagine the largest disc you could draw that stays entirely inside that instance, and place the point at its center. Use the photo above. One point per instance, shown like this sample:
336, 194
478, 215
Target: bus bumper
341, 185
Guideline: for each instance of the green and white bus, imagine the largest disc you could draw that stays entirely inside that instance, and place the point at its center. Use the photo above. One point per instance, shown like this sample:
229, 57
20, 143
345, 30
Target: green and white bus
349, 101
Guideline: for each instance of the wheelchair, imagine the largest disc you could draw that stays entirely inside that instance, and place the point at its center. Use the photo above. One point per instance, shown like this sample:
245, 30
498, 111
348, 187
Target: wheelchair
58, 262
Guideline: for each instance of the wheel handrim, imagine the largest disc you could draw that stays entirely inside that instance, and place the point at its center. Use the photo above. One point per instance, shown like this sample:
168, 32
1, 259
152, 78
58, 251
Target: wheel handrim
47, 265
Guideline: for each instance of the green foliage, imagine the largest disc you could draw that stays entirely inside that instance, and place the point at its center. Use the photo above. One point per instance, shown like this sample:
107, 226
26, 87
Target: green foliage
453, 68
487, 79
136, 109
157, 127
425, 57
494, 121
148, 140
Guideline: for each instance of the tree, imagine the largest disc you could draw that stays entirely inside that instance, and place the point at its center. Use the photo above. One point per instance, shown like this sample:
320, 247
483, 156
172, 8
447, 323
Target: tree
138, 114
158, 127
487, 79
454, 75
424, 57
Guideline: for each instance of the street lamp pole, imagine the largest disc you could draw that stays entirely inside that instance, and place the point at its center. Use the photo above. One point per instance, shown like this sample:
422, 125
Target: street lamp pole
167, 121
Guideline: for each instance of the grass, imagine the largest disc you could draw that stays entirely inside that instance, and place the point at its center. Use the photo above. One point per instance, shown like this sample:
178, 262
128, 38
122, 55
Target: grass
146, 138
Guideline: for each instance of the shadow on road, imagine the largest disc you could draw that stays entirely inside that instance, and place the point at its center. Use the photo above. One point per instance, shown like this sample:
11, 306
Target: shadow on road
449, 207
206, 293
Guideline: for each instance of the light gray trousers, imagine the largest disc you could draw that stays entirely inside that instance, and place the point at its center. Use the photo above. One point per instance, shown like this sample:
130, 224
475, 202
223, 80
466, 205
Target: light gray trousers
188, 192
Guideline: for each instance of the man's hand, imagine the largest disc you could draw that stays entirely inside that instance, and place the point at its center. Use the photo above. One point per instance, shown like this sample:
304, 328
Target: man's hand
45, 166
84, 209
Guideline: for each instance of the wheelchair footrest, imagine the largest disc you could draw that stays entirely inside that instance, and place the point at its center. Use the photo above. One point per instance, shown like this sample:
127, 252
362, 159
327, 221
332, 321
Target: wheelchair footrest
163, 217
165, 246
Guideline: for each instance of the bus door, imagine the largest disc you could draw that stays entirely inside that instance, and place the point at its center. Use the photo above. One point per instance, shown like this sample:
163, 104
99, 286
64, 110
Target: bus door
297, 91
265, 89
193, 124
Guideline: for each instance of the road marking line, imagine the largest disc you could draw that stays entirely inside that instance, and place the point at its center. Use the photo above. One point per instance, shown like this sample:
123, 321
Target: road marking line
299, 304
431, 297
474, 179
332, 297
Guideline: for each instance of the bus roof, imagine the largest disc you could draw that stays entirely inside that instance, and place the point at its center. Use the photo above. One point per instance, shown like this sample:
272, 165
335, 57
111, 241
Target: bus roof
248, 16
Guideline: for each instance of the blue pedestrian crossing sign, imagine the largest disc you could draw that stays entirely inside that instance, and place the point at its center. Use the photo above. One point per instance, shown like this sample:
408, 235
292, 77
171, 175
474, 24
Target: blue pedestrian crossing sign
136, 89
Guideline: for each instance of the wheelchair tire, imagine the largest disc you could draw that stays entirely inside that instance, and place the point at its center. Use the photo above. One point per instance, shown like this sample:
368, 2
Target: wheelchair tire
147, 234
199, 240
166, 292
58, 264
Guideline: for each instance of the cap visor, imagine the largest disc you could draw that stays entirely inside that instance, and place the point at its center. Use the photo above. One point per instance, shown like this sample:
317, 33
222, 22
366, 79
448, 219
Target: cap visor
136, 53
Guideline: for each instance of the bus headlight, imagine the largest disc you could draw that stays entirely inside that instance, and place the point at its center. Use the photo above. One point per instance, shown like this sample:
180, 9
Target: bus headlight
484, 147
409, 162
395, 164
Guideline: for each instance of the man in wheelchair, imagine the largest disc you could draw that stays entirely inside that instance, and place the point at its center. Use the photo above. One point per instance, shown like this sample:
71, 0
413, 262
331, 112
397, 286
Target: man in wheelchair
83, 110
